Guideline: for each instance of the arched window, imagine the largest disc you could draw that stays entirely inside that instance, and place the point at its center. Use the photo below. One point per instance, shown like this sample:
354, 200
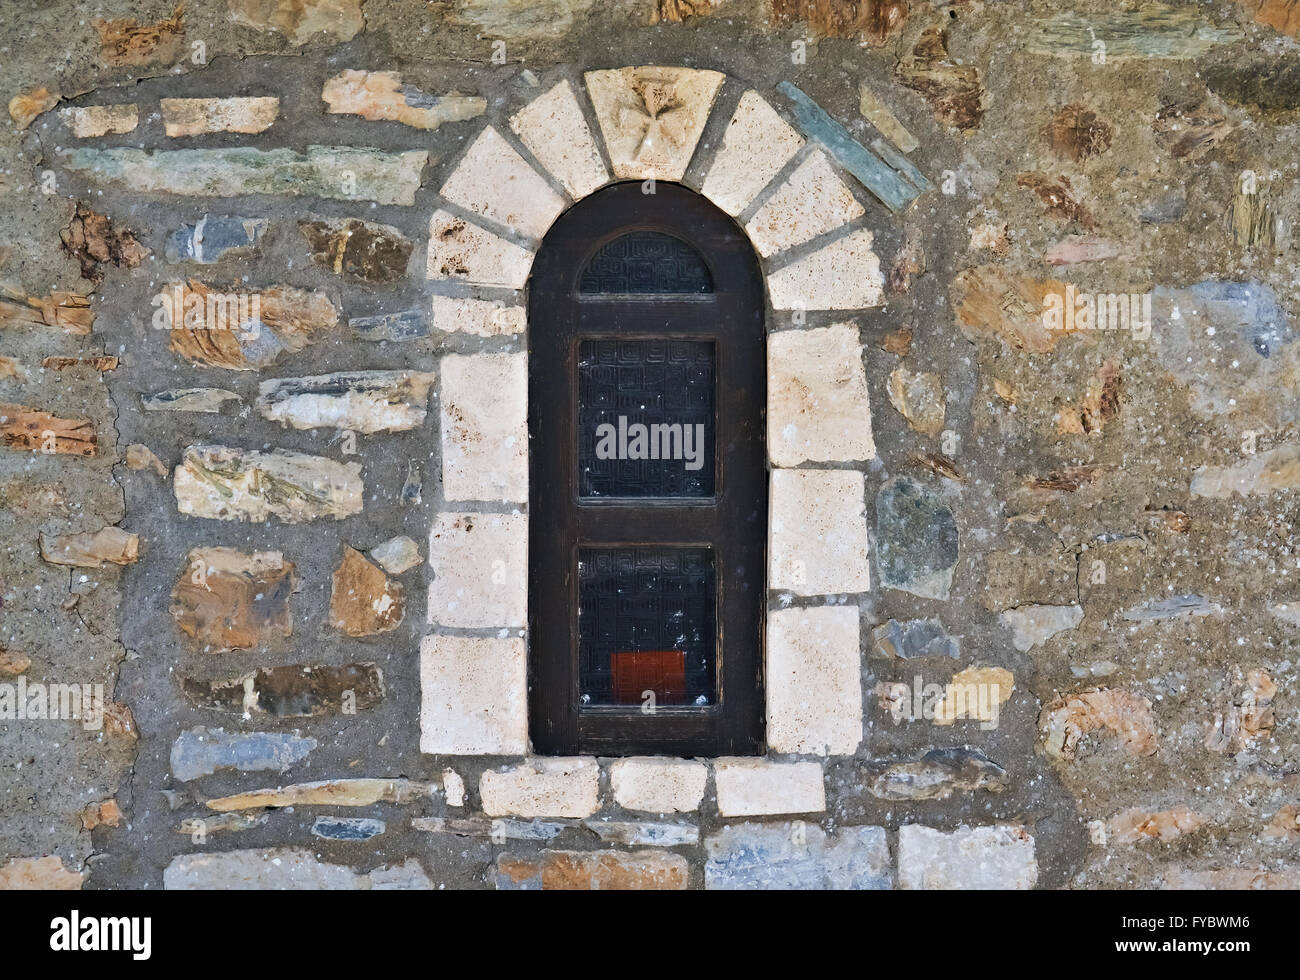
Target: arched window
648, 489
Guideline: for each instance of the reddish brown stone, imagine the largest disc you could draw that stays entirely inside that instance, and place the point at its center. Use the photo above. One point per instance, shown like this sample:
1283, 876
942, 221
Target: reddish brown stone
228, 600
1188, 130
899, 342
363, 601
128, 42
91, 239
68, 311
105, 362
874, 20
30, 429
1078, 133
954, 91
1057, 196
1070, 717
593, 871
676, 11
13, 662
105, 813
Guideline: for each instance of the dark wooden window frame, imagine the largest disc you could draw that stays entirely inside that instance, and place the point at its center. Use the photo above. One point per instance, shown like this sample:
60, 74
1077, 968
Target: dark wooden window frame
733, 522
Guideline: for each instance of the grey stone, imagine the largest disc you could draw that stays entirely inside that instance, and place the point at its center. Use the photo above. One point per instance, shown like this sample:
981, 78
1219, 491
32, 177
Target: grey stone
359, 401
347, 828
1154, 30
283, 869
937, 775
215, 237
1174, 606
202, 751
640, 832
912, 638
399, 327
751, 856
497, 829
207, 400
916, 539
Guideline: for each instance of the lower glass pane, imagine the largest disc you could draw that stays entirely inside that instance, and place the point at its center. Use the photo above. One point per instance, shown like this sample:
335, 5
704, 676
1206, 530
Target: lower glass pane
647, 632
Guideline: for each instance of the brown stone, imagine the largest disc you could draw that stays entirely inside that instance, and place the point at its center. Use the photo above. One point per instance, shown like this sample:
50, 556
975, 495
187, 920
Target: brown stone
1068, 479
1057, 196
1281, 15
676, 11
899, 342
91, 549
989, 300
380, 95
128, 42
363, 601
1189, 130
954, 91
359, 249
119, 722
1285, 824
1070, 717
920, 398
141, 457
1078, 133
229, 600
593, 871
301, 20
105, 813
328, 792
291, 691
102, 363
874, 20
91, 239
26, 106
70, 312
1137, 824
29, 429
13, 662
295, 316
38, 874
938, 464
9, 368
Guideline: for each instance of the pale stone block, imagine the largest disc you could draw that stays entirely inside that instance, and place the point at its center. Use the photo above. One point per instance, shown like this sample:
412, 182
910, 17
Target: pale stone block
556, 133
753, 787
819, 543
453, 787
496, 182
652, 117
797, 856
482, 317
814, 686
755, 146
461, 250
553, 787
997, 857
655, 785
194, 117
844, 275
473, 695
811, 202
480, 567
99, 120
817, 406
485, 427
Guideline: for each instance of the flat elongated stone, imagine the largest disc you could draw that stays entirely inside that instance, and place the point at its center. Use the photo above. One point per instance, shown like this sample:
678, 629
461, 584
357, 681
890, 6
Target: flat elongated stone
461, 250
381, 95
85, 122
754, 787
206, 400
818, 543
756, 145
592, 871
872, 172
638, 833
199, 828
399, 327
228, 484
361, 250
544, 787
347, 828
844, 275
880, 116
555, 131
202, 751
363, 600
996, 857
343, 173
284, 869
937, 775
25, 428
482, 317
327, 792
91, 549
916, 539
485, 427
301, 20
1034, 625
38, 874
291, 691
70, 312
1173, 607
242, 331
814, 682
913, 638
194, 117
232, 600
473, 696
796, 856
1154, 30
817, 407
658, 785
497, 829
214, 237
811, 202
480, 570
358, 401
494, 181
652, 117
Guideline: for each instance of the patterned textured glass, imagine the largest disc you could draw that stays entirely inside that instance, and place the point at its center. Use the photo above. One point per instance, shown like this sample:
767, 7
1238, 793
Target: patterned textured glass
646, 262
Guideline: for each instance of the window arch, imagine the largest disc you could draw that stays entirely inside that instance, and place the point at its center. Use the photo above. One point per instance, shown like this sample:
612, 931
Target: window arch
648, 489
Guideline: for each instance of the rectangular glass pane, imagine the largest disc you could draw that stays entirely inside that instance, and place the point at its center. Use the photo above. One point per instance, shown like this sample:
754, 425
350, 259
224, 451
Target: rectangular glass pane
646, 418
646, 623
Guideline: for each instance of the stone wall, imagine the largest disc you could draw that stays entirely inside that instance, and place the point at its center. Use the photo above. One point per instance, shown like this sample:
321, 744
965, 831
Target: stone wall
264, 461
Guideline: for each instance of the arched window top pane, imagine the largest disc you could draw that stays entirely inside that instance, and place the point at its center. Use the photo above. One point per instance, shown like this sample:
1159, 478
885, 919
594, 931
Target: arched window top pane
642, 262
